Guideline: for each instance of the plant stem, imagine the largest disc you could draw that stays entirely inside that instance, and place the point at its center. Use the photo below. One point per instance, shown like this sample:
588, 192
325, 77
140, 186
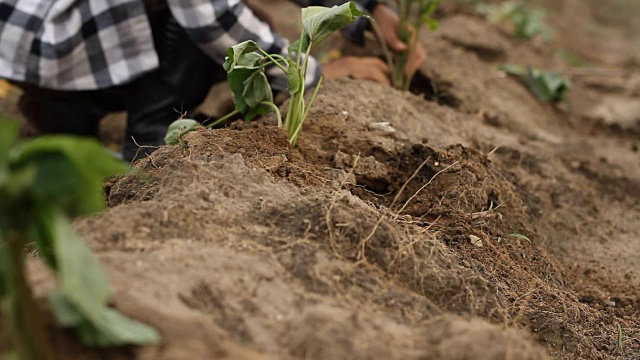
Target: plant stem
296, 111
298, 116
287, 121
23, 322
294, 138
223, 119
313, 97
271, 57
277, 111
294, 101
385, 49
412, 47
300, 48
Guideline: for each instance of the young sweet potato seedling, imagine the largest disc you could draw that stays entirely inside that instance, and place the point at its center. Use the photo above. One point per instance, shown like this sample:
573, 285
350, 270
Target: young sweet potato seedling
549, 87
246, 64
413, 14
527, 22
43, 182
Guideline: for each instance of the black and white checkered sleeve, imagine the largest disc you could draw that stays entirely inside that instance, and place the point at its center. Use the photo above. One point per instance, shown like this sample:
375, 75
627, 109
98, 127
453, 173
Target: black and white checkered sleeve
216, 25
74, 45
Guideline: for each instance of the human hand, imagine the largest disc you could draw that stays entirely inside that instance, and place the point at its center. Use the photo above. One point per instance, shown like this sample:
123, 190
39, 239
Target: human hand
388, 23
365, 68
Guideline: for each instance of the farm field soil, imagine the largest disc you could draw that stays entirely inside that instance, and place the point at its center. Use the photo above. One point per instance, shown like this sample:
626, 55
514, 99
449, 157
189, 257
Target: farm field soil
371, 241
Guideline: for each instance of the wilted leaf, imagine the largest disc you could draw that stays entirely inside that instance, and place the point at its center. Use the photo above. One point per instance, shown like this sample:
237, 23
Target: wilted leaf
319, 22
257, 89
237, 79
178, 128
250, 61
237, 52
257, 111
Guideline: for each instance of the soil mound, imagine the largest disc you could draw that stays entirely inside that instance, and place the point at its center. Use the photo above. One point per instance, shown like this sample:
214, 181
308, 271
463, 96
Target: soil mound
469, 222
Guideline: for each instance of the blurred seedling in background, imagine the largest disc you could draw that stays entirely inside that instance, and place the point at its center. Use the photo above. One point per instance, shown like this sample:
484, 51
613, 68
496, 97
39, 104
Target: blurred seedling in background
247, 63
551, 87
527, 22
44, 183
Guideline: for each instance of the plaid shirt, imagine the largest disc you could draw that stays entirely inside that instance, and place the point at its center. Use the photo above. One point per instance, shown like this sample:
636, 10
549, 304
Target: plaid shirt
96, 44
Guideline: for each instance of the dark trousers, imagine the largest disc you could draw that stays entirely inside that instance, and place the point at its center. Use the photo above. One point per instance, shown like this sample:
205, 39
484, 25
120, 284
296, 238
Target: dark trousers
152, 101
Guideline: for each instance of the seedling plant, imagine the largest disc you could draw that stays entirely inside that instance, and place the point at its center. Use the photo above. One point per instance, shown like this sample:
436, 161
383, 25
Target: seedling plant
527, 22
43, 183
414, 15
547, 86
246, 64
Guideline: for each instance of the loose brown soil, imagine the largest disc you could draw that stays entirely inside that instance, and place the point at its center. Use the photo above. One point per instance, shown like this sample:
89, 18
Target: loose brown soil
366, 242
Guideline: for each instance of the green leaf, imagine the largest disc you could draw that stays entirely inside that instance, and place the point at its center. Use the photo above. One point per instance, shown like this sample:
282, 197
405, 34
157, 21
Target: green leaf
105, 328
82, 279
513, 70
92, 163
85, 290
16, 184
426, 12
56, 176
250, 88
519, 236
65, 312
295, 48
41, 233
236, 52
110, 328
557, 85
257, 111
178, 129
250, 61
8, 134
546, 86
319, 22
237, 79
432, 24
431, 7
538, 87
87, 154
294, 80
257, 89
